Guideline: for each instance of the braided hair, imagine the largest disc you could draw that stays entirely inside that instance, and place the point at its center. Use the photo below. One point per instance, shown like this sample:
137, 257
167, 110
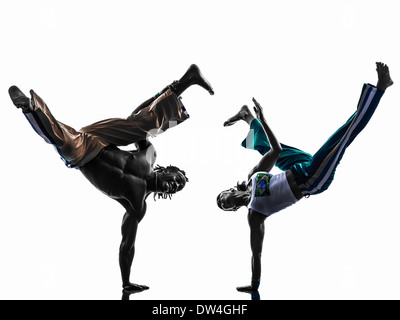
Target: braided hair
170, 169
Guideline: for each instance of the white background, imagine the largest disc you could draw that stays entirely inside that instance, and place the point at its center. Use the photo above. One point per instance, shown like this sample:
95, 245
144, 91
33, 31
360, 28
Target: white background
305, 62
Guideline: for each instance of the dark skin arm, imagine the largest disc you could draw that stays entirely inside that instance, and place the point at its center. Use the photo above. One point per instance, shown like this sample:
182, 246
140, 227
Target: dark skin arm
129, 229
269, 159
257, 231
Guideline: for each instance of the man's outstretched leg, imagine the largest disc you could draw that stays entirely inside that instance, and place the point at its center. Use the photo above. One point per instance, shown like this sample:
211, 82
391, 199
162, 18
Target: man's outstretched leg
75, 148
316, 176
164, 112
193, 76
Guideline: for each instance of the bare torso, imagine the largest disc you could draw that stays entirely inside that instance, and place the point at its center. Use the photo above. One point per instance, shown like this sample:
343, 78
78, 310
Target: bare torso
122, 175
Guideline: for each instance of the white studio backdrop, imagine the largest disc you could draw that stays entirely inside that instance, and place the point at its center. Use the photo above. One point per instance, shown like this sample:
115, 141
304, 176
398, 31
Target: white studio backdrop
304, 61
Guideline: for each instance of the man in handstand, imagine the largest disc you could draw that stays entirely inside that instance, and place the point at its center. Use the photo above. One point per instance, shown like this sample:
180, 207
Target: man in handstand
303, 174
127, 177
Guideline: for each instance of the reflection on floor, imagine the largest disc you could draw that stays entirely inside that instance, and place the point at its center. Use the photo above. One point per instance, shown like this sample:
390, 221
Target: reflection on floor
255, 295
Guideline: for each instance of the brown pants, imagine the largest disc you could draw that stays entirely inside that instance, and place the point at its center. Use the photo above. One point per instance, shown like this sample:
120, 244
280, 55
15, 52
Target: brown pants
79, 147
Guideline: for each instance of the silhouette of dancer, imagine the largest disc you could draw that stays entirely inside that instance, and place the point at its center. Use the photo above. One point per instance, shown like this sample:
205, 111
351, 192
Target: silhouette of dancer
303, 174
127, 177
